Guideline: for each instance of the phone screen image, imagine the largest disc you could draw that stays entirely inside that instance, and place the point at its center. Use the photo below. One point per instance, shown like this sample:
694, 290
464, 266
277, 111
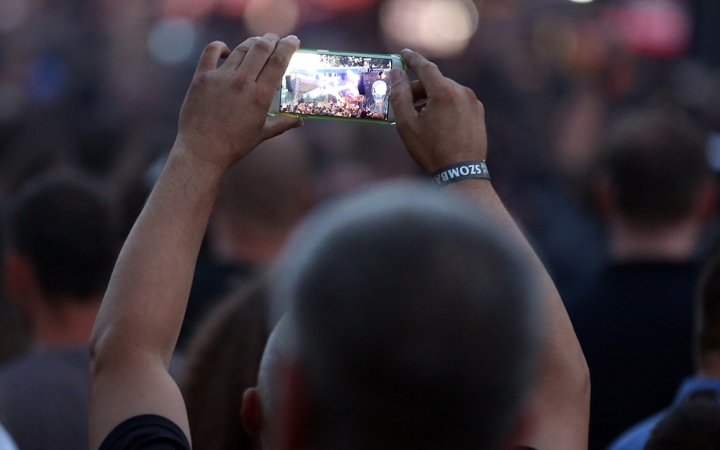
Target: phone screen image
354, 87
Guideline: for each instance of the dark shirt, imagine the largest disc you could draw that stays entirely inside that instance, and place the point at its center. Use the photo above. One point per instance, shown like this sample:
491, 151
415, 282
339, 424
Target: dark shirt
636, 437
44, 399
150, 432
636, 329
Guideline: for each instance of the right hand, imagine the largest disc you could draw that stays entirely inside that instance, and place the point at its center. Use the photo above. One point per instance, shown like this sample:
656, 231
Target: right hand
450, 128
225, 113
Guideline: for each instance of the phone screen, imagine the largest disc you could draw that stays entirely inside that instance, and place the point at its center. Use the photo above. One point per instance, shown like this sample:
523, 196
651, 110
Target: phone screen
334, 85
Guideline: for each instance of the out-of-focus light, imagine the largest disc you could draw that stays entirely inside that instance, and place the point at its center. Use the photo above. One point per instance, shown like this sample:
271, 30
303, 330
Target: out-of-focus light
173, 41
581, 1
187, 8
46, 79
13, 13
657, 28
344, 5
272, 16
440, 28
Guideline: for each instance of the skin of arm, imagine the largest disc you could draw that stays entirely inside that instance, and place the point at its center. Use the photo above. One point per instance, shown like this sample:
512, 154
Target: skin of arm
450, 128
223, 118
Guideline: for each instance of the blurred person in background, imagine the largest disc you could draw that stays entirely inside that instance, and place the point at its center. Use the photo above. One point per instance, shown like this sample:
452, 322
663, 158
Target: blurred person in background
59, 253
707, 358
6, 442
656, 195
222, 362
692, 425
261, 199
490, 401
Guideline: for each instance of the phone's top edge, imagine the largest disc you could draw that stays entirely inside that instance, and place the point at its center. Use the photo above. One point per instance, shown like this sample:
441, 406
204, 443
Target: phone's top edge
339, 52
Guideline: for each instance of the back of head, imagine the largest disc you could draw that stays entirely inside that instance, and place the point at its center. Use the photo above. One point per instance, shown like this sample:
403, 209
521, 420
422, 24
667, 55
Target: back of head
64, 228
656, 165
265, 187
222, 362
693, 425
415, 322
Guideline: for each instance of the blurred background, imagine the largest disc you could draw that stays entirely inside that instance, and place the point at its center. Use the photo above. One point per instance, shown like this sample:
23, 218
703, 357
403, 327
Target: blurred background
96, 87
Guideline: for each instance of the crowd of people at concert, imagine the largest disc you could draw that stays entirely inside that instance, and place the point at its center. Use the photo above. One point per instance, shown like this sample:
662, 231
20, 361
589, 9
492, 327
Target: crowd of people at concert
242, 281
350, 111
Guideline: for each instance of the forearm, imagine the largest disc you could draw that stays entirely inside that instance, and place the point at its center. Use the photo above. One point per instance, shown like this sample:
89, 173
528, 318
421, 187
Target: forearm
145, 302
563, 392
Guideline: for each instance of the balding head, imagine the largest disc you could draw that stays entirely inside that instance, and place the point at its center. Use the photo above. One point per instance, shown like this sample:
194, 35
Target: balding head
414, 320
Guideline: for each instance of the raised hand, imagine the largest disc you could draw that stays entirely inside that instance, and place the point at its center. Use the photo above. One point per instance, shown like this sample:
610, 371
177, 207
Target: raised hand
449, 128
225, 113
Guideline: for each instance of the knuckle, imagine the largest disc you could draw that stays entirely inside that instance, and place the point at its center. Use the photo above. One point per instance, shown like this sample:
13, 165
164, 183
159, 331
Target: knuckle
241, 80
278, 60
264, 46
202, 78
469, 93
213, 46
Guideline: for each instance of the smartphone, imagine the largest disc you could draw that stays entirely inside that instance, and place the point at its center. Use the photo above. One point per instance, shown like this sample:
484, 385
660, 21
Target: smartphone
337, 85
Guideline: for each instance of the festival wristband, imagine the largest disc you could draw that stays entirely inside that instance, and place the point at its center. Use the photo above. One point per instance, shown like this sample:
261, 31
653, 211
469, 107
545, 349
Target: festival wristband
461, 171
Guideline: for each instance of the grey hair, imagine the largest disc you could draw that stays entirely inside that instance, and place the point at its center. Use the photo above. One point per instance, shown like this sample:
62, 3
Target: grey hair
416, 321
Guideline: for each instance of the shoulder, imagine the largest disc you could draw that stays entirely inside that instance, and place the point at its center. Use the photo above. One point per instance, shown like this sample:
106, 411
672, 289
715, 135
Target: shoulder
636, 437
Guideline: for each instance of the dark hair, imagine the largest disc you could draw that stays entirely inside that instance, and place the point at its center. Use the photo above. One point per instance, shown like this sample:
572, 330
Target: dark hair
415, 322
65, 229
693, 425
223, 361
656, 164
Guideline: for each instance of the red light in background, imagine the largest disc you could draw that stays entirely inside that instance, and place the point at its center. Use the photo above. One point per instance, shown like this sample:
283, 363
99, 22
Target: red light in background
655, 28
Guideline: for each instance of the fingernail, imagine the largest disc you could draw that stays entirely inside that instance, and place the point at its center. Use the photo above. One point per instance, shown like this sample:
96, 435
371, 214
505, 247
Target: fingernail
395, 75
299, 123
292, 36
407, 50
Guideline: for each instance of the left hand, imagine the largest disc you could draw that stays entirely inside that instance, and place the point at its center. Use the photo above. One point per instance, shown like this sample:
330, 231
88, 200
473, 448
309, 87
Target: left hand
225, 113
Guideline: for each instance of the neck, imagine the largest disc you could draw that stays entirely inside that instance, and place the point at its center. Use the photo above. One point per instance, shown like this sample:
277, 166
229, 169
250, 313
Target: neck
673, 243
709, 366
68, 324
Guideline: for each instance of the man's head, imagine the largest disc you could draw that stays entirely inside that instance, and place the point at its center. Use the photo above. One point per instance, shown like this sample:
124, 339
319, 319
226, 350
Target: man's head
654, 170
412, 323
261, 200
61, 245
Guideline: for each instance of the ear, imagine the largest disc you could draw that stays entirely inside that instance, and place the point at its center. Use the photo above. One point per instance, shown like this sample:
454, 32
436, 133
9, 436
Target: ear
604, 196
708, 201
19, 276
251, 412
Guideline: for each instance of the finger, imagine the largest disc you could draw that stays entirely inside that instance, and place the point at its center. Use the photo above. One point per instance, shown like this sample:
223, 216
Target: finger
277, 125
211, 56
401, 98
279, 61
237, 55
418, 91
428, 73
258, 55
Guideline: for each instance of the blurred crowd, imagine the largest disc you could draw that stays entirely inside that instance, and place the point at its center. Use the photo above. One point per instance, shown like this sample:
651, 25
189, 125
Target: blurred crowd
603, 122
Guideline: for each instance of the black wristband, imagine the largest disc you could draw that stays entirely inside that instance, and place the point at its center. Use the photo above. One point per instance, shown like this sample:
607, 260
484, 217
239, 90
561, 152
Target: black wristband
461, 171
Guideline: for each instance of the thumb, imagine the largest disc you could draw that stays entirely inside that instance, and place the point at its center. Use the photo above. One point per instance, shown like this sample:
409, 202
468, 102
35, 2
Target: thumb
277, 125
401, 98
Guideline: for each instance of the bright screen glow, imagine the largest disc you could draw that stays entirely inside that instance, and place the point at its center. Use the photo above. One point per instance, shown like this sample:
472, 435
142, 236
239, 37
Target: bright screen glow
326, 84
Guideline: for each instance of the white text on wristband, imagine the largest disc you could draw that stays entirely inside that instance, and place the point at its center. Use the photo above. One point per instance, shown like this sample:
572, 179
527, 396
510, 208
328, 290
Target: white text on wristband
461, 171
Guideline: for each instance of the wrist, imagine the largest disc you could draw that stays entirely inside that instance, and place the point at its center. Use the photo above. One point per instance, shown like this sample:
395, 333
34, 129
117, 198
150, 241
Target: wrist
460, 171
186, 157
